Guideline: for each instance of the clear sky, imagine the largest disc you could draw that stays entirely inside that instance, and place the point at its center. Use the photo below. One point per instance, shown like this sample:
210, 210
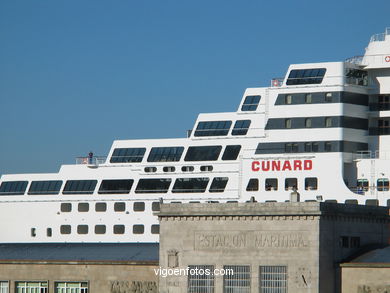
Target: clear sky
77, 74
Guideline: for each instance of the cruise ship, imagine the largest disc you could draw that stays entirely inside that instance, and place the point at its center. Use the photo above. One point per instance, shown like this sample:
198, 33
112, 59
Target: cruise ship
321, 133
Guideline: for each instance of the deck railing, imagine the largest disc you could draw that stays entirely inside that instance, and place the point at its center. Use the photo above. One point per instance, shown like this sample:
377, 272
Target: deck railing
95, 160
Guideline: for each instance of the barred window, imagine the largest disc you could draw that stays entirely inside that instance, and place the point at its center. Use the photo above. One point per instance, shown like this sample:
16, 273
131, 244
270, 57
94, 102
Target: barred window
70, 287
239, 281
30, 287
165, 154
13, 187
127, 155
273, 279
45, 187
250, 103
241, 127
213, 128
4, 287
201, 279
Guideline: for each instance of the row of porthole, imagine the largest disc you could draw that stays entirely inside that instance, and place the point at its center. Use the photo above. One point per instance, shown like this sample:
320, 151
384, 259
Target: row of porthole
102, 207
183, 169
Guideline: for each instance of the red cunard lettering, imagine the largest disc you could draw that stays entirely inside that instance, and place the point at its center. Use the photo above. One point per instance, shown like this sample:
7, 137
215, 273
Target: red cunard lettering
275, 165
307, 164
286, 166
296, 165
255, 166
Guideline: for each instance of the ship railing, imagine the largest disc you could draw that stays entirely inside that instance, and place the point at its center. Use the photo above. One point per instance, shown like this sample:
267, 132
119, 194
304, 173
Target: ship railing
380, 37
355, 60
95, 160
384, 155
277, 82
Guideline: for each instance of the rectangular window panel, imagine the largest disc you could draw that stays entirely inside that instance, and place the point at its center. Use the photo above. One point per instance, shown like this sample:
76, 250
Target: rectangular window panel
31, 287
45, 187
253, 185
119, 229
271, 184
250, 103
70, 287
190, 185
241, 127
165, 154
100, 229
153, 186
231, 152
291, 184
4, 287
139, 206
311, 183
138, 229
201, 282
127, 155
203, 153
273, 279
306, 76
219, 184
382, 184
116, 186
79, 187
13, 187
239, 281
213, 128
155, 229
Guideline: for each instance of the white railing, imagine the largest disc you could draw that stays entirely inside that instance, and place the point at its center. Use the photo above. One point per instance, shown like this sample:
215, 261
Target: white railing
355, 60
380, 37
384, 155
95, 160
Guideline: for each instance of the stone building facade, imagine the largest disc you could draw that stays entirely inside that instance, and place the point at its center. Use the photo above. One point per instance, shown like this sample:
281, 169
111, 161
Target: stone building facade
291, 247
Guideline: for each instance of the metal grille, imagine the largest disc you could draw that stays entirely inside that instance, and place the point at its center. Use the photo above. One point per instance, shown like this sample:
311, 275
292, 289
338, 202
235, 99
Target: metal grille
273, 279
31, 287
201, 283
239, 281
71, 287
3, 286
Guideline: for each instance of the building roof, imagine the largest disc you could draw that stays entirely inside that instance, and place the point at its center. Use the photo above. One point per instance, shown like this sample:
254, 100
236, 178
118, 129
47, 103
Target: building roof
105, 252
373, 258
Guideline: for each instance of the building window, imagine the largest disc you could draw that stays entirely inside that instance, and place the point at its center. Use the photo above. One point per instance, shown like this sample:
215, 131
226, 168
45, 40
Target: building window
66, 207
231, 152
83, 207
250, 103
119, 206
121, 186
150, 169
382, 184
308, 122
155, 229
203, 153
344, 241
213, 128
291, 184
165, 154
155, 206
70, 287
253, 185
241, 127
187, 169
218, 184
328, 146
328, 97
79, 187
128, 155
100, 207
49, 233
199, 281
45, 187
119, 229
4, 287
271, 184
169, 169
139, 207
100, 229
287, 123
288, 99
308, 99
239, 281
153, 185
13, 187
273, 279
328, 122
206, 168
311, 183
65, 229
31, 287
190, 185
138, 229
82, 229
355, 242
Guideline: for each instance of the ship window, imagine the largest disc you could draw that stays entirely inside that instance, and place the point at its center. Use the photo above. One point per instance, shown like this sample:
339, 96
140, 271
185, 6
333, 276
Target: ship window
291, 184
362, 184
138, 229
382, 184
83, 207
100, 207
203, 153
165, 154
155, 206
271, 184
308, 122
190, 185
328, 122
79, 187
291, 148
206, 168
241, 127
82, 229
119, 229
287, 123
288, 99
119, 206
231, 152
328, 146
155, 229
45, 187
328, 97
139, 207
150, 169
253, 185
169, 169
250, 103
153, 186
308, 147
115, 186
100, 229
311, 183
308, 98
314, 146
187, 168
213, 128
218, 184
13, 187
49, 232
66, 207
127, 155
33, 232
306, 76
65, 229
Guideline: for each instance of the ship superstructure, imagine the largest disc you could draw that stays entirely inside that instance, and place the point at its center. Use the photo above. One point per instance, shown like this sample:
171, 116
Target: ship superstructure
322, 131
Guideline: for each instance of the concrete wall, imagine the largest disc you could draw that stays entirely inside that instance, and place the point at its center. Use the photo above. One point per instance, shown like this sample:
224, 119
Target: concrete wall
365, 279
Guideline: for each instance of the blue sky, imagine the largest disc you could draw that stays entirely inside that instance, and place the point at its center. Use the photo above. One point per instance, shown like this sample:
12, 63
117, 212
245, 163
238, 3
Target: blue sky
76, 75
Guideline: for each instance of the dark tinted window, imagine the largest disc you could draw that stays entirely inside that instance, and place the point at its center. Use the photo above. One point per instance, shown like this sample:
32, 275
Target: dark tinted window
271, 184
128, 155
119, 206
190, 185
66, 207
155, 206
165, 154
306, 76
115, 186
291, 184
218, 184
213, 128
83, 207
231, 152
187, 168
138, 229
45, 187
250, 103
311, 183
100, 207
82, 229
100, 229
13, 187
65, 229
139, 207
253, 185
155, 229
79, 187
203, 153
119, 229
153, 186
241, 127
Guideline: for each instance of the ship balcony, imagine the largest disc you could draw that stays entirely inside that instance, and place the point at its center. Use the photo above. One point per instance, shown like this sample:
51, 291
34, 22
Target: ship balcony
91, 161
